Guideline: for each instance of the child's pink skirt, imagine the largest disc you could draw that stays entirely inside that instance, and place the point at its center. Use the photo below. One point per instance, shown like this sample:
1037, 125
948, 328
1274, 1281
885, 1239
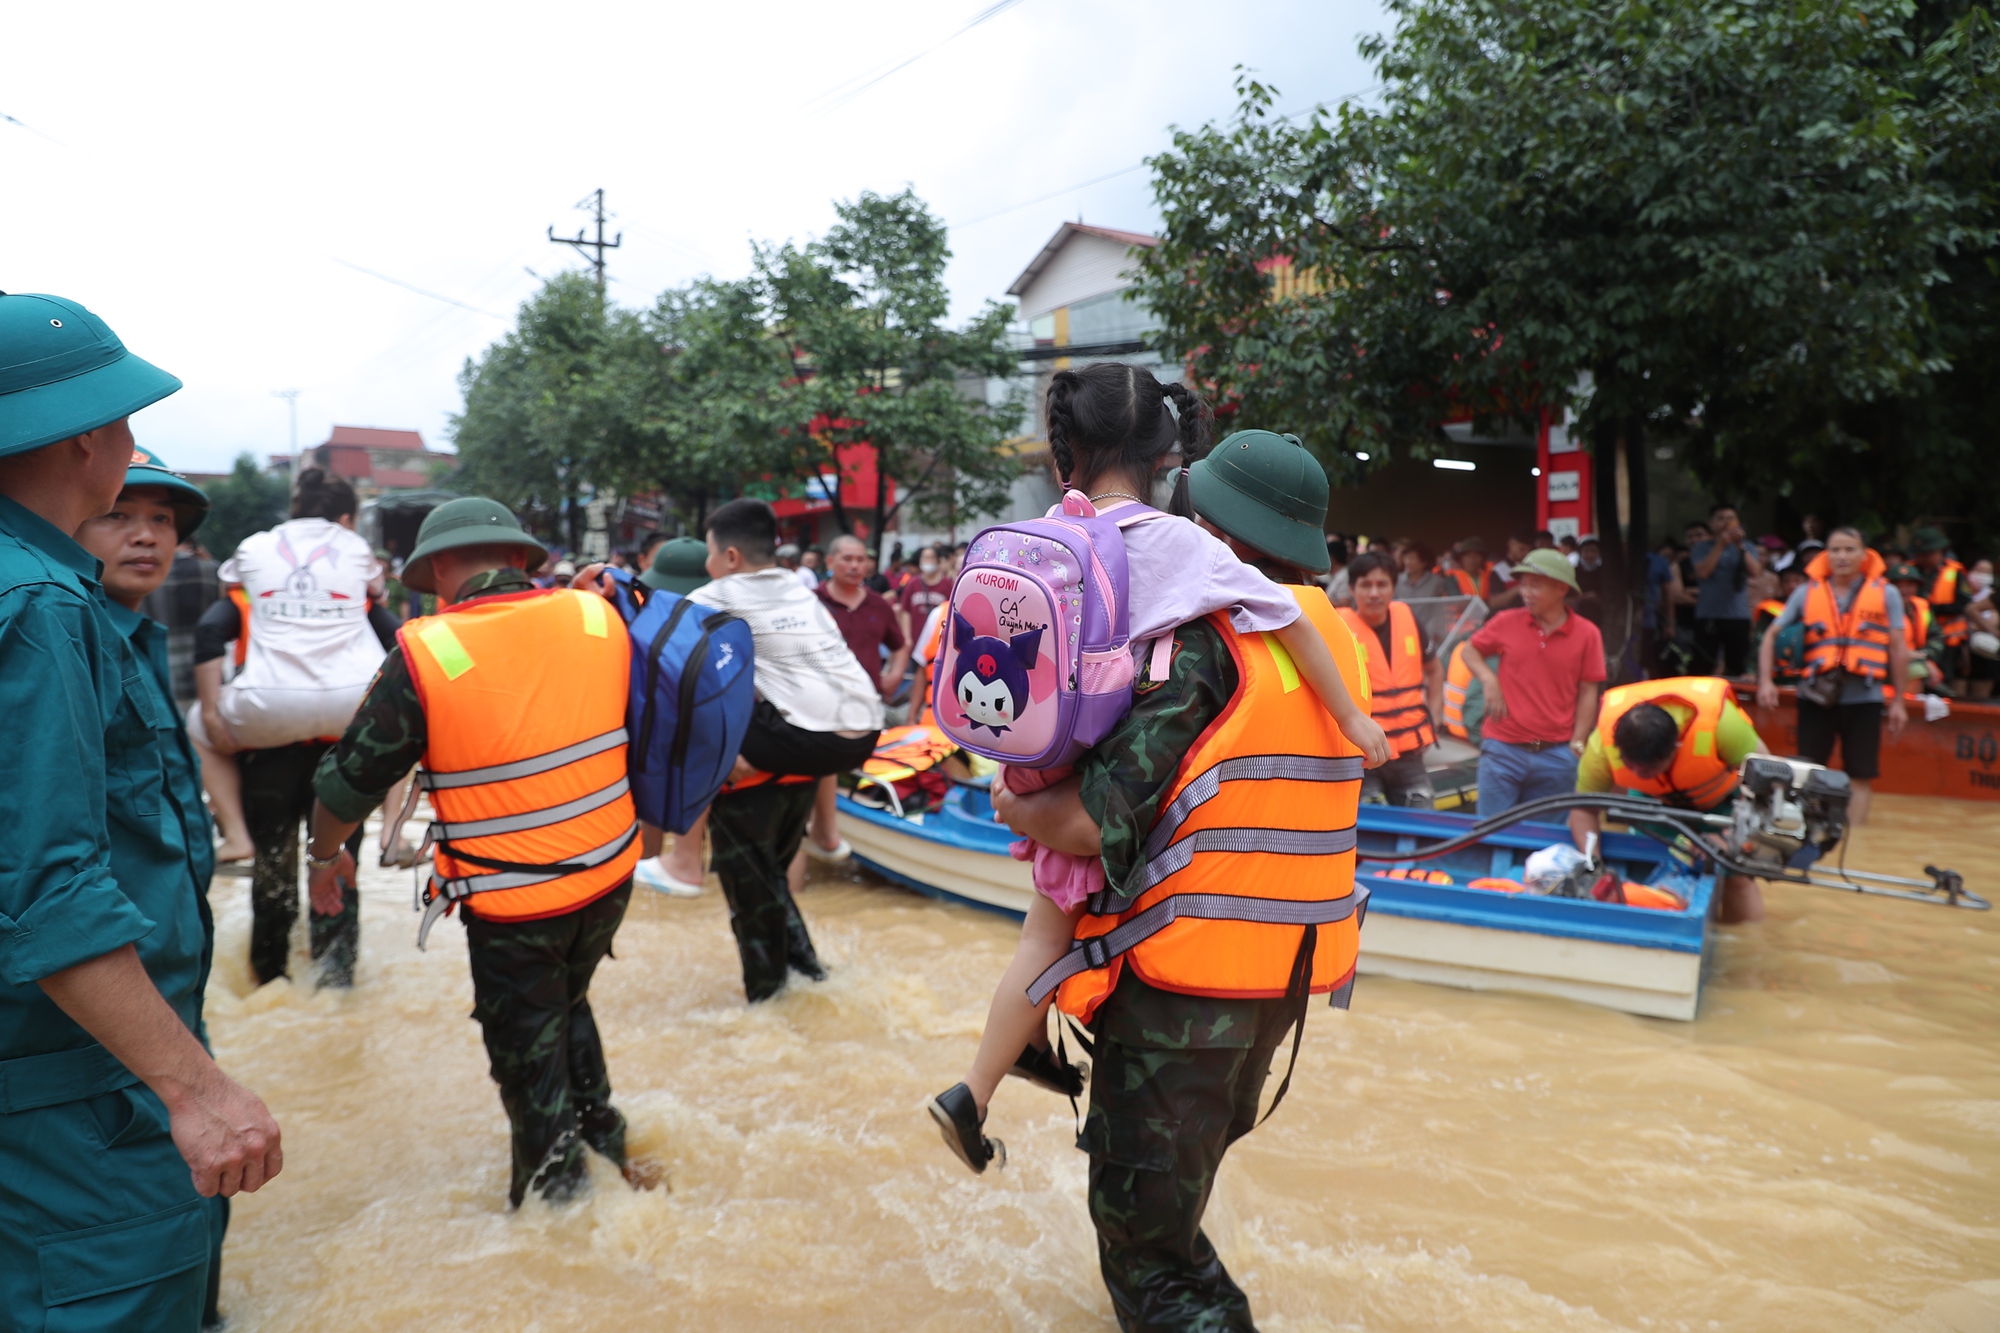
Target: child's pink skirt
1063, 879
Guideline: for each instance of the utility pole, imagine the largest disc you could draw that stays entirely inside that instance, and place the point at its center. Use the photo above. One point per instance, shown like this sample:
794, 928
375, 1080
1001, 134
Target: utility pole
291, 397
591, 203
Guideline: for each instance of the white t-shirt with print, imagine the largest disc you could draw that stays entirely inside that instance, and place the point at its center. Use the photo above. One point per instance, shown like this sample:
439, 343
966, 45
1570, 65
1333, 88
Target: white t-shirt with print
804, 667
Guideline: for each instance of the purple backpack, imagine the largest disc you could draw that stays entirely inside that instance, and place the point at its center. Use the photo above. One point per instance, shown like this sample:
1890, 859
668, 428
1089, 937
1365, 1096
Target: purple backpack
1035, 667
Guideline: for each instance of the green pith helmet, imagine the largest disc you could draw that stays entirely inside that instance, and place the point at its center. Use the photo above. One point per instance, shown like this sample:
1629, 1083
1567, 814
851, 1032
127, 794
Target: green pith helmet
1905, 574
1928, 539
63, 372
679, 566
1550, 565
189, 502
471, 520
1266, 491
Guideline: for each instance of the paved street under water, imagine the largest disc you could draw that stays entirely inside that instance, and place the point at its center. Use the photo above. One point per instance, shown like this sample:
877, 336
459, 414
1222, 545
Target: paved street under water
1819, 1151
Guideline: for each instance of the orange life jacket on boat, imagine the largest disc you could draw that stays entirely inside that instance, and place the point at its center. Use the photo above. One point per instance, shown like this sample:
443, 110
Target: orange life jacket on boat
1698, 778
524, 706
1397, 685
1483, 588
1248, 887
1857, 642
1457, 680
1945, 591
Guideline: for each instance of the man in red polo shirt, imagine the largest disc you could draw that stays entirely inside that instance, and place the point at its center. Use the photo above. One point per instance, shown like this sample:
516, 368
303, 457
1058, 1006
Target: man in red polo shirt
1542, 702
869, 624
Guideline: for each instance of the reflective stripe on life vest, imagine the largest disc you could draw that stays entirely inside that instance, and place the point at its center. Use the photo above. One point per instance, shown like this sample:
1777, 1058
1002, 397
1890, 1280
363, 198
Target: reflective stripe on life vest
1248, 885
524, 706
1698, 778
1397, 685
1858, 641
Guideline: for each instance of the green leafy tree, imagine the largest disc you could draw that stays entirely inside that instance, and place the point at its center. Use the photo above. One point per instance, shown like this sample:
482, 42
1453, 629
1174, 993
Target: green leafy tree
551, 410
707, 412
1726, 219
248, 500
859, 315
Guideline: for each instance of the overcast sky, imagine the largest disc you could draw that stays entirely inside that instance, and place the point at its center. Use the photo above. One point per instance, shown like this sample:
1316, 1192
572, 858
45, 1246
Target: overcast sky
203, 175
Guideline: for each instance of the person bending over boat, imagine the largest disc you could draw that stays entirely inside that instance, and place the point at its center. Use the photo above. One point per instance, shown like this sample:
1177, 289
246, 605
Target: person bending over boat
1680, 740
1110, 433
1185, 1035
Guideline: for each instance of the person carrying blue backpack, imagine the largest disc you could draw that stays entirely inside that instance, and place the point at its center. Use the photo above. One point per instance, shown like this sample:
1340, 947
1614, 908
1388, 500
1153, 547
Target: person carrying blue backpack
817, 713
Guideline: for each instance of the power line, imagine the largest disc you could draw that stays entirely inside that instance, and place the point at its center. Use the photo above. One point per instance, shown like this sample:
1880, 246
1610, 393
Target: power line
842, 93
1126, 171
16, 120
1053, 194
600, 245
412, 287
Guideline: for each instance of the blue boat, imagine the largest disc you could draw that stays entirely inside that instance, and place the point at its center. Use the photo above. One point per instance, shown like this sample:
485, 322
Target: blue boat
1636, 959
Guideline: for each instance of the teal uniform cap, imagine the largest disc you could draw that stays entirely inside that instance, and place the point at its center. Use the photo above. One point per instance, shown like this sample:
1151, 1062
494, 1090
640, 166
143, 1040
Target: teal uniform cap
1265, 490
679, 566
190, 502
63, 372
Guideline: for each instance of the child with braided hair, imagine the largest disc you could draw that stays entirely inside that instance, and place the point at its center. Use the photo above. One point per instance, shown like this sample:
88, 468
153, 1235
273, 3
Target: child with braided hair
1112, 437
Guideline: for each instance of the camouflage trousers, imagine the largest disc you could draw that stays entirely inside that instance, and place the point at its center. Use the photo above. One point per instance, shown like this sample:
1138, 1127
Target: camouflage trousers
1159, 1123
277, 799
756, 834
530, 988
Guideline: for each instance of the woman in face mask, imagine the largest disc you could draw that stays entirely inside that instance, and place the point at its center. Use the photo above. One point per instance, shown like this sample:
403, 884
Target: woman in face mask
930, 589
1984, 619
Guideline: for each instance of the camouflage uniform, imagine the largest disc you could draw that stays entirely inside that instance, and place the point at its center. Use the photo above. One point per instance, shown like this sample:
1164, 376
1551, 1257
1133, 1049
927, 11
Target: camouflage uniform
277, 798
530, 989
757, 832
1177, 1077
530, 979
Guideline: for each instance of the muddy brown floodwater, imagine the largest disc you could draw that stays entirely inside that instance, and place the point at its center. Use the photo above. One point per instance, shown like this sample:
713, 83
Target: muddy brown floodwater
1819, 1151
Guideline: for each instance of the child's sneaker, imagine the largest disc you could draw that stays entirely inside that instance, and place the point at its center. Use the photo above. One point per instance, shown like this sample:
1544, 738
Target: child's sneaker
957, 1117
1041, 1067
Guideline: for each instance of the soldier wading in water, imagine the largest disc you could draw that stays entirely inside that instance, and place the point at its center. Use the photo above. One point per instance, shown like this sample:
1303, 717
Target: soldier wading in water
1222, 754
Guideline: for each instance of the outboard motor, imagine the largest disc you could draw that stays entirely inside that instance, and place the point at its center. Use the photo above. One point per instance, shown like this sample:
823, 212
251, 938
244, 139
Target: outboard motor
1788, 812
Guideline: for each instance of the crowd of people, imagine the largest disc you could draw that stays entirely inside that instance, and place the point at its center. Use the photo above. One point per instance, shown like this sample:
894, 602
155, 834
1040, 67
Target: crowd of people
170, 710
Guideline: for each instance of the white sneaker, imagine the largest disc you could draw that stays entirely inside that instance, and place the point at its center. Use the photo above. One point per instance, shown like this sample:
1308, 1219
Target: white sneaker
652, 872
834, 857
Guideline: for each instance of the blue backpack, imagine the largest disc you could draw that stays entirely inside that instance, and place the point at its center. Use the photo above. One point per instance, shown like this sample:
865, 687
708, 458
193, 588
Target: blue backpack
692, 692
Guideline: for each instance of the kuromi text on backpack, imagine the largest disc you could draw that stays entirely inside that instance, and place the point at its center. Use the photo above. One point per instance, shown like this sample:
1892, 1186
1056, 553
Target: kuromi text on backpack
1035, 666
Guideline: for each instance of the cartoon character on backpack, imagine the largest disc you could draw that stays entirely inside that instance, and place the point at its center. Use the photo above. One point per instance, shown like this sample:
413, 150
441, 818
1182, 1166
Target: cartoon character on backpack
992, 674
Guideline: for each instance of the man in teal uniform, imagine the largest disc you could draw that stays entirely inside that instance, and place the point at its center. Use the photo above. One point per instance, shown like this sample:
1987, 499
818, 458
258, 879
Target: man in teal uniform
135, 545
116, 1128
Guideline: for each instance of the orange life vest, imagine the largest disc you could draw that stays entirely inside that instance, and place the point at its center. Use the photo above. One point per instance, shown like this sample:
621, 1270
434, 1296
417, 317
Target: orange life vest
1858, 641
524, 703
1457, 680
1248, 888
1767, 611
1467, 587
242, 600
1945, 592
1698, 778
1397, 685
926, 707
